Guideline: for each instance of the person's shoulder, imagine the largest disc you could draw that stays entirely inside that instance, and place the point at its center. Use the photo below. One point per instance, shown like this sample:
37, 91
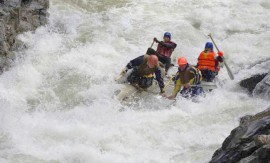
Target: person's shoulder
192, 68
212, 52
158, 67
172, 42
140, 59
143, 58
146, 56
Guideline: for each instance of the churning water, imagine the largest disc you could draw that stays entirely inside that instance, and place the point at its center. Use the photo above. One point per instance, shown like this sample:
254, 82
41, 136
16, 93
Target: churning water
57, 102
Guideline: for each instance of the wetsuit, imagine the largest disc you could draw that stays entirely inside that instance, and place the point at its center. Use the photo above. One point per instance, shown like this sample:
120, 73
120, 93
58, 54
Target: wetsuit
142, 74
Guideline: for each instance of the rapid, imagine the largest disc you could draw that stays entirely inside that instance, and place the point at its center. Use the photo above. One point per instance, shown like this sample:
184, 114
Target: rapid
57, 102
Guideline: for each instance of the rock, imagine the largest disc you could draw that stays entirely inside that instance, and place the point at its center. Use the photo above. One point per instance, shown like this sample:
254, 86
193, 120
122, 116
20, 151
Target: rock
262, 89
259, 156
248, 143
263, 139
12, 3
245, 120
250, 83
18, 16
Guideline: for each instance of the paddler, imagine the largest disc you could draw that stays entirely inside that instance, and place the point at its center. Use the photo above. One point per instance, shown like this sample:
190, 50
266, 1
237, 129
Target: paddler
143, 70
165, 49
209, 63
188, 78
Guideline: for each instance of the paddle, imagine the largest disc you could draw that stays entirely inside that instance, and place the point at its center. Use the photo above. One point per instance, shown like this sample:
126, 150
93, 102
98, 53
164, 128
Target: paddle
168, 83
150, 50
152, 44
225, 63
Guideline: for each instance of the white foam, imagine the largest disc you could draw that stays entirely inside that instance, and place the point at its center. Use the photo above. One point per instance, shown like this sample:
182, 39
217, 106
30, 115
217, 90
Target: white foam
57, 101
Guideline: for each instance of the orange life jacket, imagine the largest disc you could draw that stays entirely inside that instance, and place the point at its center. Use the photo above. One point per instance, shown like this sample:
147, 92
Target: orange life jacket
207, 61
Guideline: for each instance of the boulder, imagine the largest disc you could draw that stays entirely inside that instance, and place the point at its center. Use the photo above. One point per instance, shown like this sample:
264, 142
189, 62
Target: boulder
251, 82
262, 89
248, 143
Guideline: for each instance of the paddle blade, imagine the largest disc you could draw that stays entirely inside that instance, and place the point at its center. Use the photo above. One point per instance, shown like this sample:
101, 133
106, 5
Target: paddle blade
150, 51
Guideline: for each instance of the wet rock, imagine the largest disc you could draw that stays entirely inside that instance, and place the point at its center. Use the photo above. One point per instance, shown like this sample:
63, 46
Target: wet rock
18, 16
245, 120
263, 139
262, 89
248, 143
250, 83
259, 156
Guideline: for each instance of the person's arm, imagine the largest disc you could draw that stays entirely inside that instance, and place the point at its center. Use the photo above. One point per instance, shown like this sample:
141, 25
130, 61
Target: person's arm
220, 56
133, 63
170, 45
178, 84
176, 89
160, 80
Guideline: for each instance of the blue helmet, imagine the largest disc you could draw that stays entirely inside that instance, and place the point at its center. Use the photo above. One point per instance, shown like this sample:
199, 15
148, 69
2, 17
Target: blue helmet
167, 34
209, 45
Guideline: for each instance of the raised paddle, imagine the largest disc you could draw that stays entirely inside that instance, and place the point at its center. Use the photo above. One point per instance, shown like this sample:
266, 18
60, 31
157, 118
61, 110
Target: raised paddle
150, 50
152, 44
225, 63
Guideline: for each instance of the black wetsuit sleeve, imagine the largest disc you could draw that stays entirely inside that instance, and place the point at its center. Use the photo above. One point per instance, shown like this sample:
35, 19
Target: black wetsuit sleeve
135, 62
168, 45
219, 59
159, 78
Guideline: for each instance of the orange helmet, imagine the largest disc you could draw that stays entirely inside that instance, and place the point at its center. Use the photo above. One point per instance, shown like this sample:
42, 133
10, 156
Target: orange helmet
182, 61
152, 60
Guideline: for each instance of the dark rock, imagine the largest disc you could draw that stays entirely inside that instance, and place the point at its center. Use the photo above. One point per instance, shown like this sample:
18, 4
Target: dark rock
262, 155
250, 159
18, 16
262, 89
242, 145
245, 120
250, 83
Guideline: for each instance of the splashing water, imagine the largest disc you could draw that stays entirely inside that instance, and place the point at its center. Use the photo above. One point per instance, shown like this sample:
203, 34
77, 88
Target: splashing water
58, 105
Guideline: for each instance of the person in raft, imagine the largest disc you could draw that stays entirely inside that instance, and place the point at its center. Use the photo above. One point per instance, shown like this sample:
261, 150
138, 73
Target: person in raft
143, 70
209, 63
188, 78
165, 49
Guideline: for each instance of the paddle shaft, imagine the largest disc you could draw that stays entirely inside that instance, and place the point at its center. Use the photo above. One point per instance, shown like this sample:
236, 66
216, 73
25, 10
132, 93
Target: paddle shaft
225, 63
168, 83
213, 42
152, 44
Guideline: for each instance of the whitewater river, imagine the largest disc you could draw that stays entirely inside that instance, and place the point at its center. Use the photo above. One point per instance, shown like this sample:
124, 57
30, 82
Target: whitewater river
57, 101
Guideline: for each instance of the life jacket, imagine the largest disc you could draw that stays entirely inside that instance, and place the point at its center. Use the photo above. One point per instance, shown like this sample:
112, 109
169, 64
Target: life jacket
207, 61
185, 75
197, 75
144, 70
164, 51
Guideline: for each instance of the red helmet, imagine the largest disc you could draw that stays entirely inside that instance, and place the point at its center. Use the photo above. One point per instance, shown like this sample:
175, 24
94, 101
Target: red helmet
182, 61
152, 60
